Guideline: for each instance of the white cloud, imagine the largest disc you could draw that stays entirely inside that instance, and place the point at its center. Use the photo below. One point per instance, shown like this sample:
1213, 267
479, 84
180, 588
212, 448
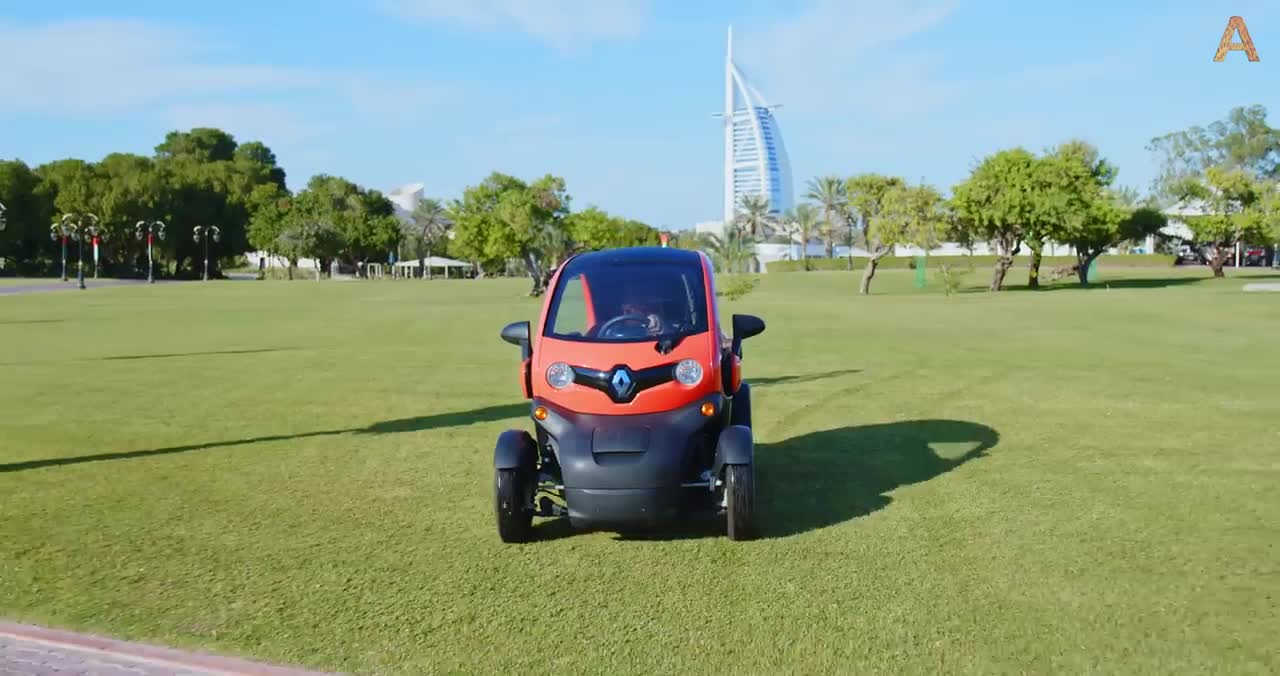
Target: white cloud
842, 56
112, 66
270, 122
102, 67
557, 22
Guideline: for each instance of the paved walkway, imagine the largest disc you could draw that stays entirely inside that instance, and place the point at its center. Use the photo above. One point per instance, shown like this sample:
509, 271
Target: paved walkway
34, 651
73, 285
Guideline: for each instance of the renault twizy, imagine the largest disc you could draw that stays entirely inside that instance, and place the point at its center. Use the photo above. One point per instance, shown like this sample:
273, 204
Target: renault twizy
640, 416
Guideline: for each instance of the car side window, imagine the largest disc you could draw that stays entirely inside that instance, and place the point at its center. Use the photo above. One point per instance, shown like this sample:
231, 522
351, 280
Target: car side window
571, 316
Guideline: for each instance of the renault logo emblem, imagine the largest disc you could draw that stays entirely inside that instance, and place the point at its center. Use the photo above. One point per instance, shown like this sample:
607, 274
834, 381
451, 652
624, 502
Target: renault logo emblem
622, 383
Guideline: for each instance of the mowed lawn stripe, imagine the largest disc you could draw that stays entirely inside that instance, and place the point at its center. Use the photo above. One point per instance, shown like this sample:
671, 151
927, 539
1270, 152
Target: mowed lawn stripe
1066, 480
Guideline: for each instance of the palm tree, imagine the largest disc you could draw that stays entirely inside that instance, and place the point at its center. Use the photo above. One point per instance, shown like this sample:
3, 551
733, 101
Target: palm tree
829, 193
429, 224
730, 251
753, 215
804, 223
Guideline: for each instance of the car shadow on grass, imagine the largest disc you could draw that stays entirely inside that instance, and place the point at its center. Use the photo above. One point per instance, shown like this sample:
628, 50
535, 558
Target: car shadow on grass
804, 378
826, 478
401, 425
171, 355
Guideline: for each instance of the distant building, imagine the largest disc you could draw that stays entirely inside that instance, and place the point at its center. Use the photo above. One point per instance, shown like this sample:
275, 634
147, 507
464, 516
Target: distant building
709, 227
755, 159
406, 198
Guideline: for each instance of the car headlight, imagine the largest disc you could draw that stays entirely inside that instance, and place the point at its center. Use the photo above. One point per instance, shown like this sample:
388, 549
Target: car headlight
559, 375
689, 372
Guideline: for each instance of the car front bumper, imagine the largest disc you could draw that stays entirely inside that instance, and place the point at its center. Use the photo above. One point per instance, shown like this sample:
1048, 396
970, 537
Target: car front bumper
641, 469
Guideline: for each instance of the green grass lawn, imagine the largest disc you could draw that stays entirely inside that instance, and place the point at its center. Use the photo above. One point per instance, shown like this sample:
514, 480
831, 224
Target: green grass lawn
1063, 480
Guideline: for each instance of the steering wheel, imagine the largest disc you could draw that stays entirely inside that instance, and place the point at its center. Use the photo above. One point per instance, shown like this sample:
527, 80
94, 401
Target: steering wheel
620, 319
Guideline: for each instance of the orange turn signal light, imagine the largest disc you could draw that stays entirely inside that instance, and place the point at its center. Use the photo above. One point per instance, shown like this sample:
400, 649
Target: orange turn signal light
708, 409
540, 413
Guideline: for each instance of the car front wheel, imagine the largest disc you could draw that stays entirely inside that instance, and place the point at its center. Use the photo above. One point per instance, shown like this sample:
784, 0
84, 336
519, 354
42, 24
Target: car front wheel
739, 498
511, 504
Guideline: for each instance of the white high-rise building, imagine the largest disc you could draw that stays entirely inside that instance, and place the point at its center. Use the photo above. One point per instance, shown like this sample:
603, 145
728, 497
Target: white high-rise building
405, 198
755, 159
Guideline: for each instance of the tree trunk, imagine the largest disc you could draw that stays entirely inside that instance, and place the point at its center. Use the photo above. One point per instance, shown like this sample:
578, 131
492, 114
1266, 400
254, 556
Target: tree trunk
1083, 261
1218, 260
1033, 271
1003, 263
850, 242
531, 262
872, 264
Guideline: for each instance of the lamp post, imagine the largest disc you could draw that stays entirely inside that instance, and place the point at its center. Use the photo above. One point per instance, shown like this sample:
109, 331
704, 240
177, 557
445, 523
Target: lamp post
152, 229
73, 225
59, 231
96, 235
205, 232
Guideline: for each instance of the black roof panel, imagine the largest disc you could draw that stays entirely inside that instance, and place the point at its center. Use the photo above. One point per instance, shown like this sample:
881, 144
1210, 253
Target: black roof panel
638, 254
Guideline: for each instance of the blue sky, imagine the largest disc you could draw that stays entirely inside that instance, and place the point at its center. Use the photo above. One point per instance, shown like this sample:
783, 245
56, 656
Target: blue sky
617, 95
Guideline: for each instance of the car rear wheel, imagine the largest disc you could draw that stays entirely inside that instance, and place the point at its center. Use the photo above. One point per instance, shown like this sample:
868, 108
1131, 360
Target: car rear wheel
511, 504
739, 499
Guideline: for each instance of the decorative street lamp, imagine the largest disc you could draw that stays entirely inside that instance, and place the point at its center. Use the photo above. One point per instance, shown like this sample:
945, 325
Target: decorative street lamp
151, 228
73, 225
98, 235
205, 232
59, 231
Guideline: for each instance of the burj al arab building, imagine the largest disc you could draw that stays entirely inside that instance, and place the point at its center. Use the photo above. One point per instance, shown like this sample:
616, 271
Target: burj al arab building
755, 160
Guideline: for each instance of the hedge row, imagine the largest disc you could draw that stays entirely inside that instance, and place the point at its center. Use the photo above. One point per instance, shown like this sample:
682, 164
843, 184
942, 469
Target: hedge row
905, 262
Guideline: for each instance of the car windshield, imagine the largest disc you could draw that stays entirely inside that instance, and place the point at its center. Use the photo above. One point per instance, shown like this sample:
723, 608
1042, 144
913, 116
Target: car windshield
628, 300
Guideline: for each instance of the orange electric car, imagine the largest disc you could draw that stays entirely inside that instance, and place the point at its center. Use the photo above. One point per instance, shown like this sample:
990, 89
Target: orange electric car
640, 417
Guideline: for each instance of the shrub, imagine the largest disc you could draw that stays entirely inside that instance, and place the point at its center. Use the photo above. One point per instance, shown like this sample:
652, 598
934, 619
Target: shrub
953, 277
908, 262
737, 287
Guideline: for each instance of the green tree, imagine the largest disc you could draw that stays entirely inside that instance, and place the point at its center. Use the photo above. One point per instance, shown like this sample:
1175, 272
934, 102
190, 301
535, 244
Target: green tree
732, 251
211, 180
364, 220
427, 227
269, 223
802, 222
27, 215
864, 200
505, 218
911, 215
752, 216
996, 202
1073, 198
307, 238
829, 193
1234, 203
1242, 140
592, 229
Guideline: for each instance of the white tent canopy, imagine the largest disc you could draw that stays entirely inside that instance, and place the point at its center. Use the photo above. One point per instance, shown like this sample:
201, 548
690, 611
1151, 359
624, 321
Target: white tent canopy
433, 262
412, 267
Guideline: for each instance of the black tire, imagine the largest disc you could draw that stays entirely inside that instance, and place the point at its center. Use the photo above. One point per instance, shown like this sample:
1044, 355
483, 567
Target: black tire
511, 505
740, 408
740, 501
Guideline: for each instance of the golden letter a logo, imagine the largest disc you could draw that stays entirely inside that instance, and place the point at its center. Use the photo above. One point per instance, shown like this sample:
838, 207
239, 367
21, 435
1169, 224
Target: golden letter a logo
1236, 25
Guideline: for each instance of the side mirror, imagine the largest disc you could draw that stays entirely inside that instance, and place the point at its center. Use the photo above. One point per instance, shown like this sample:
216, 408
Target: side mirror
517, 333
745, 326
